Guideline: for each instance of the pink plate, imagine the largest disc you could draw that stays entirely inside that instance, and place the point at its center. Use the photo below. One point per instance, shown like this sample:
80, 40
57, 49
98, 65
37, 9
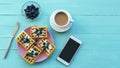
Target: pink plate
22, 51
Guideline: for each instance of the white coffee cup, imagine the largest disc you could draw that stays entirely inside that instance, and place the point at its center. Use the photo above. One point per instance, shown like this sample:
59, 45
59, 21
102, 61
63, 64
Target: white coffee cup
56, 26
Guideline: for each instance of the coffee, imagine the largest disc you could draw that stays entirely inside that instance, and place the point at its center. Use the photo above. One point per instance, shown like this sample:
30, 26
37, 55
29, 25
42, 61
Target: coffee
61, 18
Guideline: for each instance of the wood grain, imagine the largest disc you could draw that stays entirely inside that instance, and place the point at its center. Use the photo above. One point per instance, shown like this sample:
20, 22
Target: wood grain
97, 24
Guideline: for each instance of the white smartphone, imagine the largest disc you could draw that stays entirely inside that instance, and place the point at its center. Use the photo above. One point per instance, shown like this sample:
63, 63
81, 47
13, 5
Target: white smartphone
69, 50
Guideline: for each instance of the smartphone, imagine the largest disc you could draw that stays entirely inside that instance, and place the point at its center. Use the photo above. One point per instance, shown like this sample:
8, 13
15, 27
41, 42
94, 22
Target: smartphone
69, 50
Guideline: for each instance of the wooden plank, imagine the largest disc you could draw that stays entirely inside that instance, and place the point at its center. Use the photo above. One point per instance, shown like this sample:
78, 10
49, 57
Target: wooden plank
81, 25
84, 58
77, 7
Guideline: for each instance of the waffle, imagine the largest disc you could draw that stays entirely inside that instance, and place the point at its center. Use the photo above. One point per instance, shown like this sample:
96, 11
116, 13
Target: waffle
38, 32
32, 54
25, 40
47, 46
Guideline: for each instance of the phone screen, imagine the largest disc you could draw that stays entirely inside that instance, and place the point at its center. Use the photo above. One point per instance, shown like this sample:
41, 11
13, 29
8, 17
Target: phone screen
69, 50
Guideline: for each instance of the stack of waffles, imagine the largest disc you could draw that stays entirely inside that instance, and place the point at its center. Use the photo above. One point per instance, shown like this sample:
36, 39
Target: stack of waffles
34, 50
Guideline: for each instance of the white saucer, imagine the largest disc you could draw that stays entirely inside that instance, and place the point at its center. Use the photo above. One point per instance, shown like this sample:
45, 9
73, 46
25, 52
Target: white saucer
58, 29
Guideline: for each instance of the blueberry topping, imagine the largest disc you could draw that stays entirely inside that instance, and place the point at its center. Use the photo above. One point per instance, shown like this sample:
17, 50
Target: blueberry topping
25, 40
39, 31
45, 45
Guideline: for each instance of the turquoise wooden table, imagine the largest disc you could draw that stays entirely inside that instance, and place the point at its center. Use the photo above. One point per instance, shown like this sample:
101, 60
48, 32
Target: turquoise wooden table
96, 23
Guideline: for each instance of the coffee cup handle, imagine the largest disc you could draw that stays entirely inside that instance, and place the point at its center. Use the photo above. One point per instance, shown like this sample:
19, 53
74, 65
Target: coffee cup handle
71, 21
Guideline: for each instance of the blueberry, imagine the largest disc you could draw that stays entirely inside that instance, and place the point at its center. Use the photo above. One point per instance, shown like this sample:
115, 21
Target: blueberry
32, 51
31, 12
36, 54
44, 43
